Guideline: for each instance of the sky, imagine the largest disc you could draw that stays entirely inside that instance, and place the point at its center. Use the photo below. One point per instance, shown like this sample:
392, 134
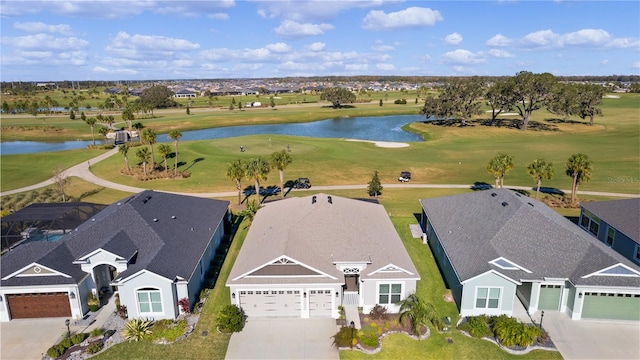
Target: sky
58, 40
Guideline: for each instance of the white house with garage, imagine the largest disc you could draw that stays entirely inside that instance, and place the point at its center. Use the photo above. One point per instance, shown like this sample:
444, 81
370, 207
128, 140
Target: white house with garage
152, 248
496, 248
304, 257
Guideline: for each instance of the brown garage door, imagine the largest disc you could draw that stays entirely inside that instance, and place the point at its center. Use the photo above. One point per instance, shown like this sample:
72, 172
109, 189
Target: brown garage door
39, 305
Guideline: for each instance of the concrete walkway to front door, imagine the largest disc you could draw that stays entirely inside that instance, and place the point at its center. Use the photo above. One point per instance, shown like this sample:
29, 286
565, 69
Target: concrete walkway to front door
589, 339
272, 338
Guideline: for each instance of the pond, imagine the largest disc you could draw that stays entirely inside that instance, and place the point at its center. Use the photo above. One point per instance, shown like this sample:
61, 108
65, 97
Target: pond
376, 128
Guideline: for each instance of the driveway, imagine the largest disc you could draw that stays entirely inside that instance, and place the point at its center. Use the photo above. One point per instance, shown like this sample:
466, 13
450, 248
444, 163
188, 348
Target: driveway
590, 339
267, 338
29, 338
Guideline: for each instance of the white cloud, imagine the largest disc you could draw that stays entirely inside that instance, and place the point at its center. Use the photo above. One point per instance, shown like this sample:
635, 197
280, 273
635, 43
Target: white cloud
462, 57
219, 16
292, 29
593, 38
586, 37
316, 46
453, 39
540, 38
410, 17
623, 43
151, 42
500, 53
385, 67
382, 48
311, 10
499, 40
44, 41
40, 27
104, 70
278, 47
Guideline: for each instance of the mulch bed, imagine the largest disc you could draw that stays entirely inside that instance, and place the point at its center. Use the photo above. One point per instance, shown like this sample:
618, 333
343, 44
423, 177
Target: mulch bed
390, 323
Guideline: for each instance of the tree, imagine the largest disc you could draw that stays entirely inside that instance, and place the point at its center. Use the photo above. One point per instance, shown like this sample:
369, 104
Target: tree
149, 137
589, 96
237, 171
562, 100
338, 96
188, 111
529, 92
83, 117
128, 116
374, 188
143, 157
165, 151
540, 169
280, 160
72, 115
34, 107
419, 312
579, 168
257, 169
435, 108
5, 107
498, 98
272, 102
380, 102
461, 96
91, 122
230, 319
124, 150
109, 120
138, 127
157, 97
175, 135
500, 166
61, 180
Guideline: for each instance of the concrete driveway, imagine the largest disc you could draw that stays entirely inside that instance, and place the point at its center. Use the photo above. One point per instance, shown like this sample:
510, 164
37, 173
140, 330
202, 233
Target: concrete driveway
590, 339
29, 338
266, 338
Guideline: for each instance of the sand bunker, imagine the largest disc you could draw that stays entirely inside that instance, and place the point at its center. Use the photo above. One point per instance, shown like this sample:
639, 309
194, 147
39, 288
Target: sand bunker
384, 144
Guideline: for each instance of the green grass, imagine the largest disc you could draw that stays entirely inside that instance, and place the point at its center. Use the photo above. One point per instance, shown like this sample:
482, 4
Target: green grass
27, 169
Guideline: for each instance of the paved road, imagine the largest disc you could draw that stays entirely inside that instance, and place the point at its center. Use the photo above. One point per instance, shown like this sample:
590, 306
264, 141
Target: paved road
83, 171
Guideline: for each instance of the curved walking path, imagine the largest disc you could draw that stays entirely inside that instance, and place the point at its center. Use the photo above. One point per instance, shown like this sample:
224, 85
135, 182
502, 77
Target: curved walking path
83, 171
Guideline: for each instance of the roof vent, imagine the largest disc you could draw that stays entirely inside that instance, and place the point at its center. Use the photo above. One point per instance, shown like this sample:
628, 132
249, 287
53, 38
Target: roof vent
313, 199
192, 229
530, 204
119, 204
494, 194
155, 220
173, 216
504, 203
93, 219
329, 199
518, 195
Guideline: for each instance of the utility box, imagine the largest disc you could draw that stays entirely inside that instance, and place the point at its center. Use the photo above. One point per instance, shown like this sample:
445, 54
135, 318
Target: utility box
446, 324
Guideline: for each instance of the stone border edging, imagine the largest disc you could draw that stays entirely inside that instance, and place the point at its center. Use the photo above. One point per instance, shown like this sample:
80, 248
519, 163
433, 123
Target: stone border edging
381, 337
527, 350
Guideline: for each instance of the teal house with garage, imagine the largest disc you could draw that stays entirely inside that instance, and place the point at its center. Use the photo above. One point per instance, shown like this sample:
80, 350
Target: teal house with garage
499, 250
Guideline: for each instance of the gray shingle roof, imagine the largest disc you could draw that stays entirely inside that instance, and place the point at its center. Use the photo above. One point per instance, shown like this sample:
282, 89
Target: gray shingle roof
624, 215
321, 233
170, 233
479, 227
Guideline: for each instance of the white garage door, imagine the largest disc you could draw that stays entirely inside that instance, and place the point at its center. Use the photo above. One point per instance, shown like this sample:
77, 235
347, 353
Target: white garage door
270, 302
319, 303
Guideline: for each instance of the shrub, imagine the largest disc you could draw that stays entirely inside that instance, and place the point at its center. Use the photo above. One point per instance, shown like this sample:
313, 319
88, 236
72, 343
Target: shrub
168, 330
343, 337
78, 338
477, 326
94, 347
378, 312
53, 352
66, 342
184, 305
93, 302
370, 340
61, 348
137, 329
96, 332
510, 332
400, 101
230, 319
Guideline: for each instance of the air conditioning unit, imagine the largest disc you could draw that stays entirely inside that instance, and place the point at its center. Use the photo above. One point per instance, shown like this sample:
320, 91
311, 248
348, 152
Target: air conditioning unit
424, 238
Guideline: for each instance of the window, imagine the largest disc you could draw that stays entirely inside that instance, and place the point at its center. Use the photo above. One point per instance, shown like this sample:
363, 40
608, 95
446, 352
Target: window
637, 253
149, 301
487, 298
611, 233
590, 222
389, 293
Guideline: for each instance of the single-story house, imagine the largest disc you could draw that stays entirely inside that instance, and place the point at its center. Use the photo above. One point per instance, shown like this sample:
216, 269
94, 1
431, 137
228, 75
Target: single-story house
152, 248
497, 247
616, 223
304, 257
185, 93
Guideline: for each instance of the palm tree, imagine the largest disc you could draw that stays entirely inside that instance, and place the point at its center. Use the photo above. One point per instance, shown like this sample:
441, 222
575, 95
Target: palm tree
539, 169
143, 156
419, 312
175, 135
280, 160
500, 166
257, 169
109, 120
138, 127
579, 168
149, 137
165, 151
91, 122
237, 171
124, 150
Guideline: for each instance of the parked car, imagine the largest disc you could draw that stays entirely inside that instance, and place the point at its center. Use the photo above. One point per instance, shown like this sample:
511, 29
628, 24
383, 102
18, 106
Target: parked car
405, 176
302, 183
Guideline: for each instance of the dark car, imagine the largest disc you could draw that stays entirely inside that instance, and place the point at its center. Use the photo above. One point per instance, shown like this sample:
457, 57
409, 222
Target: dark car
302, 183
405, 176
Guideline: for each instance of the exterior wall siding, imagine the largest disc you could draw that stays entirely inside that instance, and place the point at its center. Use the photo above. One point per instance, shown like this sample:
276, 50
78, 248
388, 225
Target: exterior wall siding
148, 280
621, 242
491, 280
